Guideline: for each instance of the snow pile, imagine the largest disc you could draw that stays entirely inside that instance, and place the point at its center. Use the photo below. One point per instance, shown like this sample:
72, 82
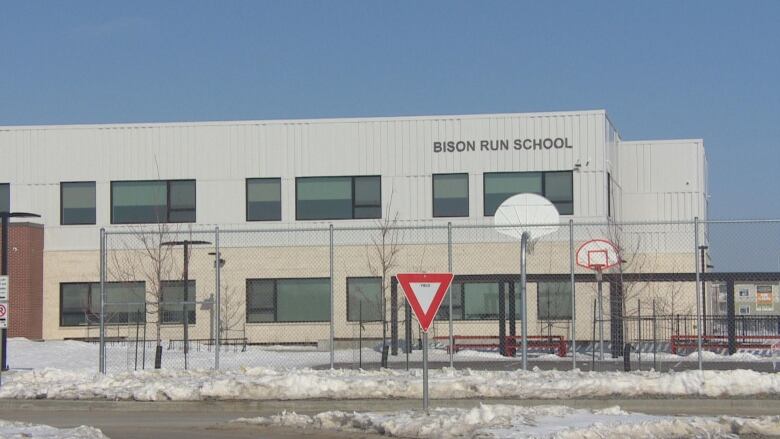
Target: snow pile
506, 421
10, 429
289, 384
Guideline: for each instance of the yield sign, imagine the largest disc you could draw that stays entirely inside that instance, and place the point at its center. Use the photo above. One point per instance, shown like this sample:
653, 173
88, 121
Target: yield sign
424, 291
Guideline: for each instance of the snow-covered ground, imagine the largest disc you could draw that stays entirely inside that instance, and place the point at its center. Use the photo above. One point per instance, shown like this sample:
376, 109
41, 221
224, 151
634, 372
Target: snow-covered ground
24, 354
13, 430
506, 421
286, 384
75, 355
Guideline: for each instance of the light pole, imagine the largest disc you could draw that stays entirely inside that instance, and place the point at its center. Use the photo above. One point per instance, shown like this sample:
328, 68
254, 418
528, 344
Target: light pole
702, 249
214, 324
6, 217
186, 276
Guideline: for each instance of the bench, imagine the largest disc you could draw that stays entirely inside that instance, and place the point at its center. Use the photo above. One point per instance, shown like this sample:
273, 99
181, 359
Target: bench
690, 342
511, 343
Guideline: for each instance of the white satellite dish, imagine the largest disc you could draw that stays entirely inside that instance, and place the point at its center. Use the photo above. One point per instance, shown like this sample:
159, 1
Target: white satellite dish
519, 211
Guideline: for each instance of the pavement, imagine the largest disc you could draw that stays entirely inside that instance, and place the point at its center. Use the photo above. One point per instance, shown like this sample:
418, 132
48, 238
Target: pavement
209, 419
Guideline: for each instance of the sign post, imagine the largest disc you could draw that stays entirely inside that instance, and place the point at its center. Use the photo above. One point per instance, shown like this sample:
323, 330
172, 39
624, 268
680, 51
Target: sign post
425, 292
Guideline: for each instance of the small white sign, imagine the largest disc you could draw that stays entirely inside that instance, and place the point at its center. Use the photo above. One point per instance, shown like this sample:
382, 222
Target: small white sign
3, 315
3, 288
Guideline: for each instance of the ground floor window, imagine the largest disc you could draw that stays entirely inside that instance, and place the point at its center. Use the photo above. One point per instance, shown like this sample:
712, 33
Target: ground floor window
80, 303
176, 301
479, 299
288, 300
364, 299
553, 300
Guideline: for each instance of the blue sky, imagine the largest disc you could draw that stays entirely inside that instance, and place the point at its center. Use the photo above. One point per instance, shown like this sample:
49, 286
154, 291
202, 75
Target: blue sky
661, 69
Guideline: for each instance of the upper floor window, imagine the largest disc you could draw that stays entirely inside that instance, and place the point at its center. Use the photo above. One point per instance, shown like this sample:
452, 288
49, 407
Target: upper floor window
556, 186
328, 198
5, 197
450, 195
155, 201
77, 202
263, 199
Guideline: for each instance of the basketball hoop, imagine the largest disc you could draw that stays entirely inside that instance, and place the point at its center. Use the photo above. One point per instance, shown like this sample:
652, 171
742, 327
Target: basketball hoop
598, 255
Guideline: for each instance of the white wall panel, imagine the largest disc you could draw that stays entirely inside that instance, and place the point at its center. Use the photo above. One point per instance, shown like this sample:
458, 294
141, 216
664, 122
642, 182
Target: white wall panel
221, 155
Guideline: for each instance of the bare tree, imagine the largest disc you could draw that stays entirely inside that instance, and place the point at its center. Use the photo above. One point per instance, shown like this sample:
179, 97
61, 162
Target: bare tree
231, 319
142, 257
383, 258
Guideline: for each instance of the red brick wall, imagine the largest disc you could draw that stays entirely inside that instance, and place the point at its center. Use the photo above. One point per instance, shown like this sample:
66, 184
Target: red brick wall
25, 270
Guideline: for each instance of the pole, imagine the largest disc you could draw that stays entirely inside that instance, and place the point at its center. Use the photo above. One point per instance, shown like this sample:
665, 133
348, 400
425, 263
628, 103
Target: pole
425, 372
360, 334
698, 295
332, 329
573, 301
655, 338
523, 307
449, 290
593, 338
143, 347
639, 332
703, 292
600, 316
4, 272
218, 323
185, 316
102, 348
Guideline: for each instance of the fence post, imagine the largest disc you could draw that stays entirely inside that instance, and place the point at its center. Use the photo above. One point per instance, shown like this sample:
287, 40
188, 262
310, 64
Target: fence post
332, 328
639, 333
698, 287
449, 290
102, 349
217, 297
573, 299
731, 325
655, 339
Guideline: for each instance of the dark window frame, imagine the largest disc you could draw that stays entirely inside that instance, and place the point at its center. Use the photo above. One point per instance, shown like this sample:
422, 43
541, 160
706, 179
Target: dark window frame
246, 198
62, 205
433, 195
89, 295
168, 208
544, 187
380, 296
352, 197
275, 281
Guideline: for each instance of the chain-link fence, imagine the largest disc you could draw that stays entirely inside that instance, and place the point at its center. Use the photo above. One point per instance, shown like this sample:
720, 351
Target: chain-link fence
682, 293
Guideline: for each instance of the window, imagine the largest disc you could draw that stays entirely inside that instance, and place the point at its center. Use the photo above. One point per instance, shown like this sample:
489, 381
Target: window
478, 300
263, 199
174, 302
364, 299
744, 292
80, 303
77, 203
553, 300
5, 197
288, 300
744, 309
136, 202
327, 198
450, 195
556, 186
456, 290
